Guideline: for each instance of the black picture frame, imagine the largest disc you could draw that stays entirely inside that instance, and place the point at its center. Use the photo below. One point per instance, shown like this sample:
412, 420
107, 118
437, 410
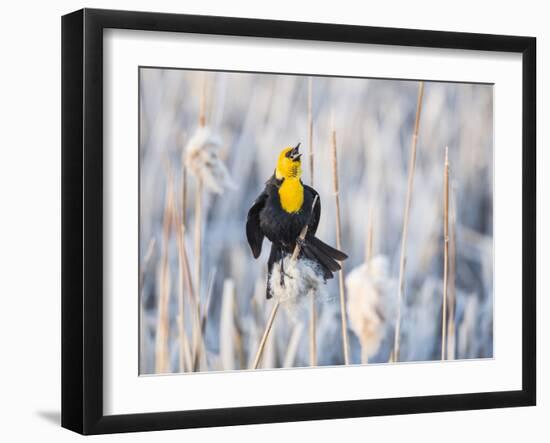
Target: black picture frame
82, 220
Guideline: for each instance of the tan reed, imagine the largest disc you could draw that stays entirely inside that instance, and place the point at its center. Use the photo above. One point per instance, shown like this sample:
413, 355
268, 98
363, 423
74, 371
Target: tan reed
313, 307
445, 254
403, 257
336, 188
185, 358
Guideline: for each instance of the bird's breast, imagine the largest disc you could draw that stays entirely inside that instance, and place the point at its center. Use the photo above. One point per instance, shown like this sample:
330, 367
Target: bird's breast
291, 195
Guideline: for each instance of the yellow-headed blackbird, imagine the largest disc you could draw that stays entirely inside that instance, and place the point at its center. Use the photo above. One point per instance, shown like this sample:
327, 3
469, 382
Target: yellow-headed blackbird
281, 211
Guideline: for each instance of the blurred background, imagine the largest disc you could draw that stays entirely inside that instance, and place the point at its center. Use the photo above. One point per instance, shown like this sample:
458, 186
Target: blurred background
216, 321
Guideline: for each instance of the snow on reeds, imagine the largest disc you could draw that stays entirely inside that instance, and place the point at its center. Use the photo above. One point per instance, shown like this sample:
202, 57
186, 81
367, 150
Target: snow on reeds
403, 257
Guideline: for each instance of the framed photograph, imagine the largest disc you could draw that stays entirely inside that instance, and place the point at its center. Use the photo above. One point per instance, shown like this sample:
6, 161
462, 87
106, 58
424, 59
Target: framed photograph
269, 221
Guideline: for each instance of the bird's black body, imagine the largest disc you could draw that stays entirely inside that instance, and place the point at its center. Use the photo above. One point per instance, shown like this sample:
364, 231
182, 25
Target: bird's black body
267, 218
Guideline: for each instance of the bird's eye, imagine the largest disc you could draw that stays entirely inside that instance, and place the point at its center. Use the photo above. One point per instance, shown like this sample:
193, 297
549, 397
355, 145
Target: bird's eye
288, 153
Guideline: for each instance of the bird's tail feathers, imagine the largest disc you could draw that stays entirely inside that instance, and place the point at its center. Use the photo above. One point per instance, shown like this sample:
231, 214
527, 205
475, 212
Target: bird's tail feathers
326, 256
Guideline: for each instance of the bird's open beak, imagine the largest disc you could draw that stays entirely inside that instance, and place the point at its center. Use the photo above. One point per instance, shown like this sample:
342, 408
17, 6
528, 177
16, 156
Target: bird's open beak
295, 153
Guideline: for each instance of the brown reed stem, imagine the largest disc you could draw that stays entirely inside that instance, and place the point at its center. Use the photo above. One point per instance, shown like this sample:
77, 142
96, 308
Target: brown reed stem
339, 246
451, 333
197, 273
198, 237
184, 196
370, 237
202, 105
403, 258
185, 359
198, 242
445, 254
265, 335
313, 307
310, 131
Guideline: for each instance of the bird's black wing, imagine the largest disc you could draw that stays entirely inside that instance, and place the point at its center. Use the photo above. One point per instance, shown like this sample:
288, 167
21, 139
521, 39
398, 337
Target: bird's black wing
254, 234
316, 215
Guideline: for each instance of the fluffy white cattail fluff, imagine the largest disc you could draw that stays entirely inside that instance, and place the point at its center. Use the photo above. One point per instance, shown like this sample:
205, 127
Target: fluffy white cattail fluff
302, 279
201, 157
367, 286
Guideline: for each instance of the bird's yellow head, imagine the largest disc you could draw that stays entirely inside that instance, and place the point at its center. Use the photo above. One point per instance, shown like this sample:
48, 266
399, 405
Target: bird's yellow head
289, 164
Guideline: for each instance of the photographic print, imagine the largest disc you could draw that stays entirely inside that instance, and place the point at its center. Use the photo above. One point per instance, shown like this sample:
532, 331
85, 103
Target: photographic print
294, 221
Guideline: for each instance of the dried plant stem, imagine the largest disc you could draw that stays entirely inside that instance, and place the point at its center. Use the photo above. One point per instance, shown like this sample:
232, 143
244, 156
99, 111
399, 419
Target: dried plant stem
370, 237
403, 258
184, 196
265, 335
198, 238
202, 105
445, 254
451, 332
313, 307
275, 308
198, 244
184, 347
163, 319
339, 246
310, 130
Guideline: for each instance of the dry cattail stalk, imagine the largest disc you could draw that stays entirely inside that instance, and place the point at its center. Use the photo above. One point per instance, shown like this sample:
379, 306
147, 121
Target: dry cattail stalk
184, 195
403, 257
370, 236
293, 261
185, 358
451, 334
162, 363
310, 131
198, 195
195, 302
198, 239
339, 246
185, 271
313, 307
445, 253
202, 105
265, 335
184, 347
